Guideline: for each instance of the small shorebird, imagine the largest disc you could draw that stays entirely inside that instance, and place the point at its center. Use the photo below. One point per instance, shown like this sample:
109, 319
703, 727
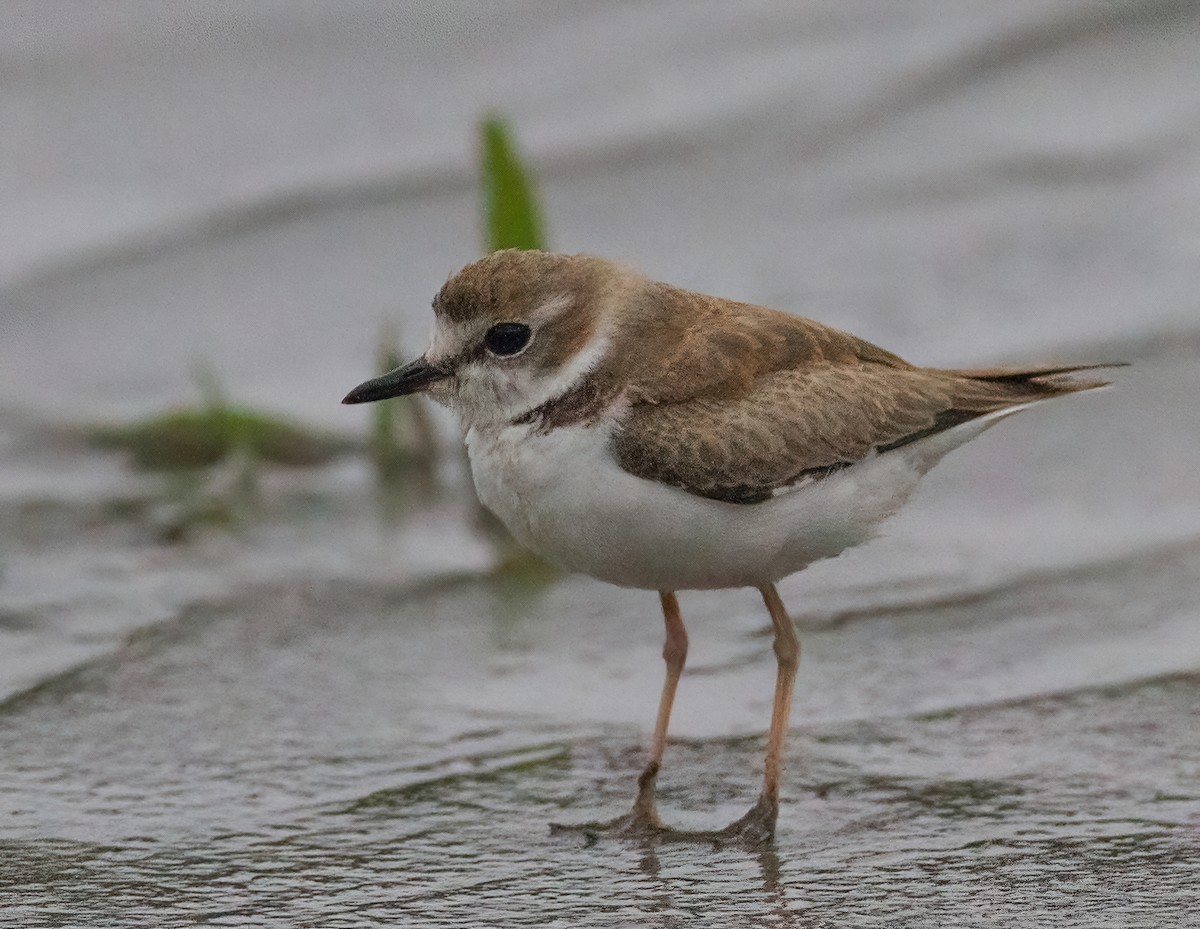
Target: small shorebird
657, 438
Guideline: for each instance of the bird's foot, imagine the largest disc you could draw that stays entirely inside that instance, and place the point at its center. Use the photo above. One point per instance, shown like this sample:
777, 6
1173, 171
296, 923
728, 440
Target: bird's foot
641, 822
756, 828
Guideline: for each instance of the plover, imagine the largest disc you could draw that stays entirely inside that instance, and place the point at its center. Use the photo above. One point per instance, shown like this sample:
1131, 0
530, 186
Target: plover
662, 439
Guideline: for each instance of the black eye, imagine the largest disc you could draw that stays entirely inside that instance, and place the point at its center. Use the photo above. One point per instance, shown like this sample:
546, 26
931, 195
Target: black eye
507, 338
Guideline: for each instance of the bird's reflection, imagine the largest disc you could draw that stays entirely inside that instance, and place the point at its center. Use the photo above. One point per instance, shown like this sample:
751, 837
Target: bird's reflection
664, 901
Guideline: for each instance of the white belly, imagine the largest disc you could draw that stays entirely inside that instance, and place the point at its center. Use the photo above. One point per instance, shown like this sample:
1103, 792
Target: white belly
564, 496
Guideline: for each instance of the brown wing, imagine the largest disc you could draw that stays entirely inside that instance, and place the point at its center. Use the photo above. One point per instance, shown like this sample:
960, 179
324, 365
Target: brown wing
779, 398
794, 423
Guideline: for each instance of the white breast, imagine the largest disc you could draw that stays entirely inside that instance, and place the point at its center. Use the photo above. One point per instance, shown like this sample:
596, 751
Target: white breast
563, 495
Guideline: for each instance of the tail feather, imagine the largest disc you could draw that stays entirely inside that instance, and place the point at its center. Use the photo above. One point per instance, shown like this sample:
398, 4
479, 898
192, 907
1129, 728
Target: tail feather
978, 399
1027, 374
984, 390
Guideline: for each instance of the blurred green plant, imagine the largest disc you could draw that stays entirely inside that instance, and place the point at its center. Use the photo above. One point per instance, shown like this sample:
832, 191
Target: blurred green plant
197, 438
511, 217
202, 436
211, 456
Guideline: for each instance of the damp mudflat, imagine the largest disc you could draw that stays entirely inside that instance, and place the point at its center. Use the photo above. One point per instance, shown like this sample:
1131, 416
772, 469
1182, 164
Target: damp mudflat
260, 695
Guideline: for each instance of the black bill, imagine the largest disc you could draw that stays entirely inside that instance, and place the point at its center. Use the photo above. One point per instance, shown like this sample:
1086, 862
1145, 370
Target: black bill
407, 379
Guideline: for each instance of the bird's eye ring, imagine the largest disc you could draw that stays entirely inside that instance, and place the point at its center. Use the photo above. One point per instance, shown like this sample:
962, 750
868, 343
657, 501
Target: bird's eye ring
507, 339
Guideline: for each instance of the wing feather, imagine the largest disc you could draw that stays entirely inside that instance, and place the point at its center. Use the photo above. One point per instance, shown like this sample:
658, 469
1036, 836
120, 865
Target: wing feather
771, 399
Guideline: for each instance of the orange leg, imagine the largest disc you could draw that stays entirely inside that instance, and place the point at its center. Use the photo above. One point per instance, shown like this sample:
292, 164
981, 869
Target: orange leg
787, 656
675, 647
759, 824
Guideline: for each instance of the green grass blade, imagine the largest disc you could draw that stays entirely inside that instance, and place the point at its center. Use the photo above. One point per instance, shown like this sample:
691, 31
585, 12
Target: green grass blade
510, 212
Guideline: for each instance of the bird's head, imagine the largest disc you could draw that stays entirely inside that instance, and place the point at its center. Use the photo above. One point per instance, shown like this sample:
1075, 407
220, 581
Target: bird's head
513, 331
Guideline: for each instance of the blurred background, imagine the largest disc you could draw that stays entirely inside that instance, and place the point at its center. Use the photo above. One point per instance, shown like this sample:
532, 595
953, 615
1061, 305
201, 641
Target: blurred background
260, 657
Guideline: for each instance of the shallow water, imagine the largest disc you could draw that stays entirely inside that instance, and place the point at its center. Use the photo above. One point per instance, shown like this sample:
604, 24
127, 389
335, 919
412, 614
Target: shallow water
251, 765
329, 713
